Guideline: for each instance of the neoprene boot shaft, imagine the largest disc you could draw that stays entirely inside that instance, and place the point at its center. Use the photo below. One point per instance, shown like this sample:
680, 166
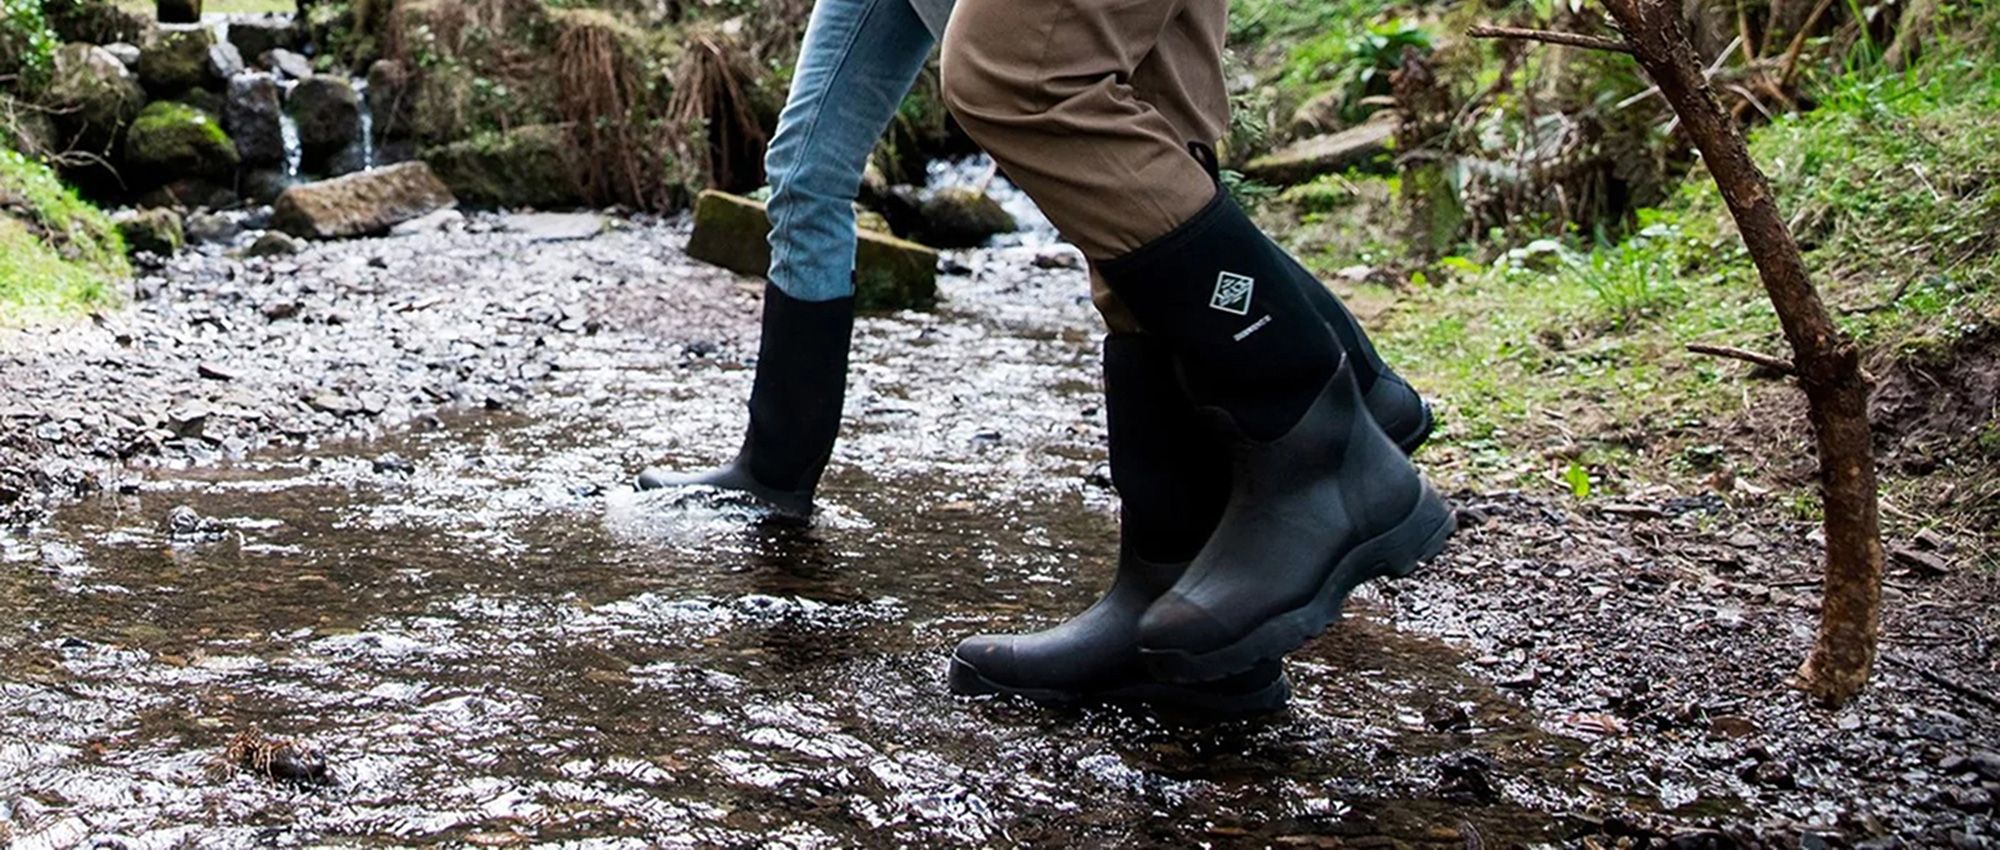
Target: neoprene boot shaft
1320, 498
1396, 406
795, 406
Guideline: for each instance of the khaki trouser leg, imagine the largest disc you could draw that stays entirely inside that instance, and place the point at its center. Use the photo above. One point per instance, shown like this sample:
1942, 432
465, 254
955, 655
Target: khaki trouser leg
1050, 88
1090, 108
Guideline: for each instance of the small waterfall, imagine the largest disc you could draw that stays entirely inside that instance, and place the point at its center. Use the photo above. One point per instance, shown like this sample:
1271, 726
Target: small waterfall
294, 153
367, 140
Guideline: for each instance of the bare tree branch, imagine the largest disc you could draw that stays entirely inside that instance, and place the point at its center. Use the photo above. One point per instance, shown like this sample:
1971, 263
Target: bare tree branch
1566, 39
1775, 364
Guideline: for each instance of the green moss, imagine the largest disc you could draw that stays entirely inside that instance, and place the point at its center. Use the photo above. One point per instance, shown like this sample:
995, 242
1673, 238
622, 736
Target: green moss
524, 167
174, 139
57, 253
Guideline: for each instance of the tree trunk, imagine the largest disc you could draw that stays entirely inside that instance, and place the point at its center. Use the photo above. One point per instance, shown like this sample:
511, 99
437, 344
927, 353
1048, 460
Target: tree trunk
1828, 362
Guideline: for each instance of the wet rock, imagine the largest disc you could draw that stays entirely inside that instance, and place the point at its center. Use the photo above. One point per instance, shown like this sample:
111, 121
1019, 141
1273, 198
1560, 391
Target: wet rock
153, 231
285, 761
327, 111
1319, 115
358, 204
963, 217
178, 11
394, 463
890, 274
1468, 777
127, 54
1773, 774
251, 117
255, 36
523, 167
276, 244
389, 98
337, 404
96, 22
173, 140
555, 227
1447, 716
185, 523
1972, 800
224, 62
189, 193
177, 61
208, 227
1297, 163
94, 96
264, 185
1984, 763
286, 64
436, 222
1058, 257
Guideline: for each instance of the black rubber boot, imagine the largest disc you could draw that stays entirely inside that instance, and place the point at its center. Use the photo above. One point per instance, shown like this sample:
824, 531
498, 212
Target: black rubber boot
1397, 407
1320, 498
1172, 472
795, 405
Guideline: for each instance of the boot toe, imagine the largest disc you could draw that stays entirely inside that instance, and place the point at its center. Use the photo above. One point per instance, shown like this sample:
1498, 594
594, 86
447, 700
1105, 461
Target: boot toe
983, 664
655, 478
1175, 624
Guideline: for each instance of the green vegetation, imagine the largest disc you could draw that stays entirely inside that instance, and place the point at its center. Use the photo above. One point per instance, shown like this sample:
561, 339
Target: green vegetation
1575, 346
57, 253
27, 45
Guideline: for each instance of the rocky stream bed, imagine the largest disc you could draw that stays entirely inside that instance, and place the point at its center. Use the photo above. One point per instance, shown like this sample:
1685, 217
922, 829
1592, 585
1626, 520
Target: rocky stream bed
370, 499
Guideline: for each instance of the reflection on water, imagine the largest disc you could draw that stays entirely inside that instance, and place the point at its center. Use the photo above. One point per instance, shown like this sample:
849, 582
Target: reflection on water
502, 644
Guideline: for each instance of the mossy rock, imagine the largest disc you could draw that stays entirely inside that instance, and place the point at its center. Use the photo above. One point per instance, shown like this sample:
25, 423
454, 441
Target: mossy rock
890, 274
95, 21
94, 96
524, 167
153, 231
171, 140
963, 217
176, 61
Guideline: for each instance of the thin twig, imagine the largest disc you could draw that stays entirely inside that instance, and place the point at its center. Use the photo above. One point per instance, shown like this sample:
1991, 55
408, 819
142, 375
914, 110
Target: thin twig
1775, 364
1886, 303
1799, 42
1567, 39
1941, 681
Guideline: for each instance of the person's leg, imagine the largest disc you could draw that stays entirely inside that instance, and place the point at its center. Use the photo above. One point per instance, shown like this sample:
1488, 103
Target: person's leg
1320, 499
859, 60
1183, 78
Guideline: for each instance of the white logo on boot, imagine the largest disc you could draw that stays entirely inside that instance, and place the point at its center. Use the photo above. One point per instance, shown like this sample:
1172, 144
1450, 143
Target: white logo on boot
1232, 293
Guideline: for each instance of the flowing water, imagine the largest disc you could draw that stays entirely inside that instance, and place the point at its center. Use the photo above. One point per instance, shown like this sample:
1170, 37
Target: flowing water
493, 641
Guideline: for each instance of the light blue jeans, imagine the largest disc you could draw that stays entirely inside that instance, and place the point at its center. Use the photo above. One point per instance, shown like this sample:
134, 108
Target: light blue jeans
860, 59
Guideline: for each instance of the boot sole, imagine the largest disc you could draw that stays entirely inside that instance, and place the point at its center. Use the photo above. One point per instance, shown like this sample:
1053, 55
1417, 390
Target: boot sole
966, 680
1396, 553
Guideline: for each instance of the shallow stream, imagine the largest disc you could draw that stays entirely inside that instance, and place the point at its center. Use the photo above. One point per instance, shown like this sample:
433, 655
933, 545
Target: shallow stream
493, 641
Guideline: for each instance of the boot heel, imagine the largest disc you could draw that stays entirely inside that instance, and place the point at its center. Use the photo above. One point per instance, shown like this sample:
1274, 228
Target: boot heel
1423, 535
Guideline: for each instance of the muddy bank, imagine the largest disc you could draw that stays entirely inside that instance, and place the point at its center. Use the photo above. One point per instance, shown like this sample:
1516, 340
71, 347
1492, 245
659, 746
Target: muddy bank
492, 641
